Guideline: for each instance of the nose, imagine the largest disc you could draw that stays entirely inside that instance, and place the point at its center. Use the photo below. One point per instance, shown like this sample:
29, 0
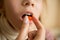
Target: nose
27, 3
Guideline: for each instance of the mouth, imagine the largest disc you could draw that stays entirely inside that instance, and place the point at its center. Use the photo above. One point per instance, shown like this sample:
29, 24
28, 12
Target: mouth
29, 14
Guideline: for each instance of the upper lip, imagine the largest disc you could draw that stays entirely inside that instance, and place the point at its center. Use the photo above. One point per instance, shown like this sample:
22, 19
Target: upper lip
26, 12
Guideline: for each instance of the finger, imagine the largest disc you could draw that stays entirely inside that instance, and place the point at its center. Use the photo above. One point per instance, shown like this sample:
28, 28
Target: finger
24, 29
41, 30
31, 35
37, 23
25, 22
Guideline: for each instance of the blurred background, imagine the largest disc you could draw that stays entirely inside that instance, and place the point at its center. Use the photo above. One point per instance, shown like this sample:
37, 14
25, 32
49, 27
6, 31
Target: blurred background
51, 17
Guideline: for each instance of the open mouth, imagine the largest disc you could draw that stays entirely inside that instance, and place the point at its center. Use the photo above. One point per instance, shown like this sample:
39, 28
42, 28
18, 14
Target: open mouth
29, 14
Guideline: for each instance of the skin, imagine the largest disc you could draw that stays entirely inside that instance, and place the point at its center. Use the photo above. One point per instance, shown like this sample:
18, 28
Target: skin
13, 12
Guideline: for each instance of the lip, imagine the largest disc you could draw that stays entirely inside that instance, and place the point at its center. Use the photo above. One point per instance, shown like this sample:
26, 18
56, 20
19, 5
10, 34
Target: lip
25, 12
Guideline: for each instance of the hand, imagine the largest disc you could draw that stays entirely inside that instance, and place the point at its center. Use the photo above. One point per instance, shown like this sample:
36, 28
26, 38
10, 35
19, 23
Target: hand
40, 33
34, 35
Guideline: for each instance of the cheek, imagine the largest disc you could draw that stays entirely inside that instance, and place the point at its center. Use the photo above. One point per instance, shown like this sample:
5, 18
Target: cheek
38, 10
39, 6
37, 15
12, 8
12, 5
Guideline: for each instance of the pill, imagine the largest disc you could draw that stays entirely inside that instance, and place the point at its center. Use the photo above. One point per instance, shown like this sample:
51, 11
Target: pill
30, 18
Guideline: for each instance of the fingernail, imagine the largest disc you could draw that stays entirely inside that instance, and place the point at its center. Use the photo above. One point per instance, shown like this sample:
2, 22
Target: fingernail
26, 21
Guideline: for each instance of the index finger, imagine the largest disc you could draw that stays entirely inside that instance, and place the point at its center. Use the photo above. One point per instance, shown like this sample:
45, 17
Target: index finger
37, 22
24, 29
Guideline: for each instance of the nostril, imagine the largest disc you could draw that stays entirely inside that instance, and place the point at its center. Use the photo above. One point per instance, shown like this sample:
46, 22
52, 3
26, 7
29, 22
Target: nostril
26, 4
32, 4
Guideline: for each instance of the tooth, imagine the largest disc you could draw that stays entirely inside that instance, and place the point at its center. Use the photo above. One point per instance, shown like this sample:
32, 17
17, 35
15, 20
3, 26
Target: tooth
27, 14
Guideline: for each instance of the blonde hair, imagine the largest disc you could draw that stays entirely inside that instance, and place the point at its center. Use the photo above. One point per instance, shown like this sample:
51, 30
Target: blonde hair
6, 32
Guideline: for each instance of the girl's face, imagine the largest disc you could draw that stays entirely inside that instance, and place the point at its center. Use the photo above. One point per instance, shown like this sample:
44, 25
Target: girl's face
15, 9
